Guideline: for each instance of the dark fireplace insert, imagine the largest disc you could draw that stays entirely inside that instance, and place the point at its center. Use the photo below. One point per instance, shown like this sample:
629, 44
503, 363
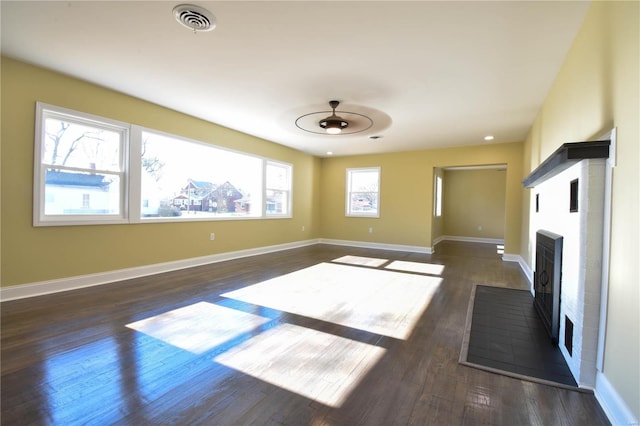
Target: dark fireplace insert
547, 280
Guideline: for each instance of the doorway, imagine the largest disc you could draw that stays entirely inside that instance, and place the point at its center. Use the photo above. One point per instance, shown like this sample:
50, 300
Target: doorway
469, 203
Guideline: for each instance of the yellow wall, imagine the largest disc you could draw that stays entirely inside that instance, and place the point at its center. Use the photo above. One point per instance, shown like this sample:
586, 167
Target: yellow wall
406, 193
598, 89
472, 199
319, 187
37, 254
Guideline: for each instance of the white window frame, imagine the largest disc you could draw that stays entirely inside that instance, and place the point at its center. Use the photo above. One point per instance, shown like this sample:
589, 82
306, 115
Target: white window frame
289, 169
348, 208
44, 111
129, 174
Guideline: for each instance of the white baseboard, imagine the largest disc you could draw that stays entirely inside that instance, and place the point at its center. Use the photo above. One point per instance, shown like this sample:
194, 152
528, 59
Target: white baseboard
378, 246
468, 239
523, 265
508, 257
614, 407
81, 281
437, 240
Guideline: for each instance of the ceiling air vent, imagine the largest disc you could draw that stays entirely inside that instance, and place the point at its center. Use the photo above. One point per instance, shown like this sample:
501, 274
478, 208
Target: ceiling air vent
194, 17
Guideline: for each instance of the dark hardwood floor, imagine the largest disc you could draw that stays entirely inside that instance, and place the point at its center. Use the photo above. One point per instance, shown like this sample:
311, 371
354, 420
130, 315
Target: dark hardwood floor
89, 357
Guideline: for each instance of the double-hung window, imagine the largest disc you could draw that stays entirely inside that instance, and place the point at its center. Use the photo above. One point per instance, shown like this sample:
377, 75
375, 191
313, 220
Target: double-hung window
363, 192
80, 168
278, 189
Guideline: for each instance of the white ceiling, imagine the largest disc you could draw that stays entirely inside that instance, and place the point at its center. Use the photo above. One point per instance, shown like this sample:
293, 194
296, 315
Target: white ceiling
431, 74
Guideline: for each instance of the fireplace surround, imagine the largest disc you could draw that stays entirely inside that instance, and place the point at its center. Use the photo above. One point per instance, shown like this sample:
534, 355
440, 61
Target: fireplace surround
568, 213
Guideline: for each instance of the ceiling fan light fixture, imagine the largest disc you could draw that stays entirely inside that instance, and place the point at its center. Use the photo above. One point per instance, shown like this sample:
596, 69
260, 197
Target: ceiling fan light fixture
321, 123
333, 124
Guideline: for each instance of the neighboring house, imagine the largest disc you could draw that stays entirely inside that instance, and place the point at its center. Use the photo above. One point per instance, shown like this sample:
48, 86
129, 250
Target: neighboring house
222, 199
78, 193
198, 188
275, 202
192, 194
243, 205
180, 201
362, 203
192, 203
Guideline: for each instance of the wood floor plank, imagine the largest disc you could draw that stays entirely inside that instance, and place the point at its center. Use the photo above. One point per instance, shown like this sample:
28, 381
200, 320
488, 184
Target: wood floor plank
76, 358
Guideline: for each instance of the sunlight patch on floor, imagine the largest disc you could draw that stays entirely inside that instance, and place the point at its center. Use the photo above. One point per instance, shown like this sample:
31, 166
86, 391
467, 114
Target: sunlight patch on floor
316, 365
423, 268
361, 261
378, 301
199, 327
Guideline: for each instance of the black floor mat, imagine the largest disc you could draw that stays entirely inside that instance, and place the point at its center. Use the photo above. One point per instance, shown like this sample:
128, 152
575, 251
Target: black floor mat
504, 333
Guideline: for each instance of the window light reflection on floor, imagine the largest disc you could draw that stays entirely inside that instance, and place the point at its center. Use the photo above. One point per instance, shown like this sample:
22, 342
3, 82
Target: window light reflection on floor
423, 268
317, 365
199, 327
361, 261
374, 300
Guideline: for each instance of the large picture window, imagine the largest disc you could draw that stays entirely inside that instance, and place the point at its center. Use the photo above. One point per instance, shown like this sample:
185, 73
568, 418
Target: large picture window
91, 170
363, 192
181, 178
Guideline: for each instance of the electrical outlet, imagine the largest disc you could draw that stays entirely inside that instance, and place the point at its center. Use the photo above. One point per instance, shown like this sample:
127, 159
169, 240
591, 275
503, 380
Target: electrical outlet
479, 227
302, 228
212, 236
371, 230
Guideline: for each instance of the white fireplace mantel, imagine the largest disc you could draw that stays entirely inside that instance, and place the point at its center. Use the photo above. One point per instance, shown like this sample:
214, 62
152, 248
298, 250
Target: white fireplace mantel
578, 218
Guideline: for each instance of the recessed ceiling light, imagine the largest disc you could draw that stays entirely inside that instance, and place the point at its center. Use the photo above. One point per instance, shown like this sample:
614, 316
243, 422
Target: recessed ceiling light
488, 138
329, 152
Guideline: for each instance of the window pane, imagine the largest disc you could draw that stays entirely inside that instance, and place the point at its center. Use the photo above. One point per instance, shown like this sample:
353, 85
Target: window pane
364, 202
363, 191
277, 176
74, 193
194, 180
364, 181
277, 202
277, 189
72, 144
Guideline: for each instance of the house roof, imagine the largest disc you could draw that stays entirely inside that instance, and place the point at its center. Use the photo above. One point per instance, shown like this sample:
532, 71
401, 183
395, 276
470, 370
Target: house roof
201, 184
56, 177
